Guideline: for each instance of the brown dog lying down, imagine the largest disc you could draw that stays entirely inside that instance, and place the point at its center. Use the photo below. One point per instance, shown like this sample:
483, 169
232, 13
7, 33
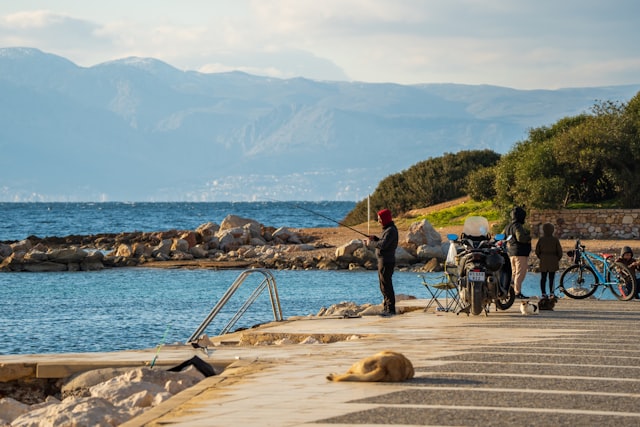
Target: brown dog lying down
386, 366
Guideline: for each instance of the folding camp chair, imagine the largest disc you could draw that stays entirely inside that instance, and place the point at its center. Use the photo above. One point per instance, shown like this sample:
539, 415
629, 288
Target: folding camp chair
442, 287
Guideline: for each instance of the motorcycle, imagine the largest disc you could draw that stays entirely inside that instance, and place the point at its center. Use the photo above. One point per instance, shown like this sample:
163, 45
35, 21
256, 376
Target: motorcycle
484, 270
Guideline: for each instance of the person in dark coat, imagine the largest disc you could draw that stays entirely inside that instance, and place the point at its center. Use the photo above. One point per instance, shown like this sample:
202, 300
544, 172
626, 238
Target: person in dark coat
385, 247
518, 248
549, 252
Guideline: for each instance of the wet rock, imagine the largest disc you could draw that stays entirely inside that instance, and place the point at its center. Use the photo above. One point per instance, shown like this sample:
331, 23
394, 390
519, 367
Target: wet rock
5, 250
180, 245
199, 251
67, 255
41, 267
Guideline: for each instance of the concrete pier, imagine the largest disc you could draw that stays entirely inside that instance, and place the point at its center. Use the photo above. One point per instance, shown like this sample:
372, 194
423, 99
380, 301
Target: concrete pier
578, 365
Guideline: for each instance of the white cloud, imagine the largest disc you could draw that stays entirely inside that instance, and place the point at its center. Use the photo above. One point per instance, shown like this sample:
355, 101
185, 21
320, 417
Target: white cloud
515, 43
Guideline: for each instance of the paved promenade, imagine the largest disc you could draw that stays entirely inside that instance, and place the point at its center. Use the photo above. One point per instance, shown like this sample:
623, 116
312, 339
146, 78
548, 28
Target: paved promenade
576, 366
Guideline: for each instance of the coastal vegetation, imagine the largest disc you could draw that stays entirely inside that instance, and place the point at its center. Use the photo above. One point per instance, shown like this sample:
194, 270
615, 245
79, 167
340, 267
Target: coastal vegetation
592, 159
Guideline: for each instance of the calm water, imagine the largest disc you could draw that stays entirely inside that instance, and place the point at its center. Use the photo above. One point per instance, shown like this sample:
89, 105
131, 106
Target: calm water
20, 220
132, 308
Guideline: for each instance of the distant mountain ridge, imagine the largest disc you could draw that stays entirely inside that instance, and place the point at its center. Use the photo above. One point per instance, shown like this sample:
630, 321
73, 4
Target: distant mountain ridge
138, 129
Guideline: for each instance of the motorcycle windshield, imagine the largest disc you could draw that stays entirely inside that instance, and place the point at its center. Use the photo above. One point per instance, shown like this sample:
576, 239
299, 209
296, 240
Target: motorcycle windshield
476, 226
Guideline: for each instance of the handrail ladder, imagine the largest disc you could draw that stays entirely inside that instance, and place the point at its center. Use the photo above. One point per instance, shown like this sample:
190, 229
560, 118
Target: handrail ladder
269, 282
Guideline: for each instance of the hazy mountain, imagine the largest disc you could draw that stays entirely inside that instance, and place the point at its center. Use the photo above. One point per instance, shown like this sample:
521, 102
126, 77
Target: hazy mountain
140, 129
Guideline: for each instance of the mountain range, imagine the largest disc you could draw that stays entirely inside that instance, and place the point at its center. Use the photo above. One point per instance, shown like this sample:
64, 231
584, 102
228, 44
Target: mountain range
139, 129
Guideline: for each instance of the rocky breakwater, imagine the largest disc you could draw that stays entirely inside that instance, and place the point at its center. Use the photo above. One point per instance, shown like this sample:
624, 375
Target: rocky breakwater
235, 243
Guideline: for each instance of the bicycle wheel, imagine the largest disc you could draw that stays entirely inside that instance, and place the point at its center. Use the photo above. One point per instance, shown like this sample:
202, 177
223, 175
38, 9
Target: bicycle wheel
578, 282
621, 281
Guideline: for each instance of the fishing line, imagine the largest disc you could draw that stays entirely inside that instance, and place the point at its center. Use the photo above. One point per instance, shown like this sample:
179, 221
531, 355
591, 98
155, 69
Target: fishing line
323, 216
164, 337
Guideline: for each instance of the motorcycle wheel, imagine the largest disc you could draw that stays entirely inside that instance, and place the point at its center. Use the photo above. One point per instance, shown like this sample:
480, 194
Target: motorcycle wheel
506, 302
476, 299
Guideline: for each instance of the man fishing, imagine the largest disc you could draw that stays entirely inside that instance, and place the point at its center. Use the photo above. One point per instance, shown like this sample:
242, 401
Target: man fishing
385, 247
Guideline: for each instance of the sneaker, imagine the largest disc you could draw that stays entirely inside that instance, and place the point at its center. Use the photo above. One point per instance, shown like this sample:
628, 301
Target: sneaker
520, 296
386, 314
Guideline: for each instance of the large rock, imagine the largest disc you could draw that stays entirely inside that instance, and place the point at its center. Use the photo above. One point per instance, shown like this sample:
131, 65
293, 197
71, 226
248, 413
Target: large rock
207, 231
190, 237
422, 233
21, 246
164, 248
123, 250
233, 238
180, 245
286, 235
404, 257
36, 256
234, 221
425, 252
199, 251
345, 252
67, 255
44, 267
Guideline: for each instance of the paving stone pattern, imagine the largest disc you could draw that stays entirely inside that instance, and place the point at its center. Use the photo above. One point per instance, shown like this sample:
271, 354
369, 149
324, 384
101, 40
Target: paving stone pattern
590, 377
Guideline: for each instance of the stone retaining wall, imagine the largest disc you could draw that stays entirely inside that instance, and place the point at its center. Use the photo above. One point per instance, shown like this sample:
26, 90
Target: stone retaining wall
588, 223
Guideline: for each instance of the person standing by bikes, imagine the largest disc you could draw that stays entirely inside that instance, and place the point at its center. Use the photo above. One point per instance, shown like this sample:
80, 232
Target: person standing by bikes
518, 248
549, 252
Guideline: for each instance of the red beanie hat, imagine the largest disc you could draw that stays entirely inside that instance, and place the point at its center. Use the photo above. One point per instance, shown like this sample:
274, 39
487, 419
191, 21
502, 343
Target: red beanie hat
385, 216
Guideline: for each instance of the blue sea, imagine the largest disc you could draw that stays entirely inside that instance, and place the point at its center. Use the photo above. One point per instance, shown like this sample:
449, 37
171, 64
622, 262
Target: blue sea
136, 308
20, 220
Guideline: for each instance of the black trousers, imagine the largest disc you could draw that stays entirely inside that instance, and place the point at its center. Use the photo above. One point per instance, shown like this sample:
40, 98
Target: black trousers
385, 273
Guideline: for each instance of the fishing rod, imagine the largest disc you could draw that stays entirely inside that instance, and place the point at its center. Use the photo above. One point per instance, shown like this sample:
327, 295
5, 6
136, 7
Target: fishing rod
326, 217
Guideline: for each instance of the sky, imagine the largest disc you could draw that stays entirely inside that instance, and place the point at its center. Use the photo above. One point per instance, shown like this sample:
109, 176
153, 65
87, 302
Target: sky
522, 44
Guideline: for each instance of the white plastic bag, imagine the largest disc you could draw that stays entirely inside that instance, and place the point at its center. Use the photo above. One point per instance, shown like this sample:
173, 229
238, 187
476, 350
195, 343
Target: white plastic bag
451, 255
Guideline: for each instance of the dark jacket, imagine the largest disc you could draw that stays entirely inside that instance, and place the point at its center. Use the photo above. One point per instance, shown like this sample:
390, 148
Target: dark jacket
387, 244
520, 243
631, 263
548, 249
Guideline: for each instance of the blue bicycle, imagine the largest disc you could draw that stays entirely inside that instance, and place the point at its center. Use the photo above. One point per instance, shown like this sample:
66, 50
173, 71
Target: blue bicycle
591, 270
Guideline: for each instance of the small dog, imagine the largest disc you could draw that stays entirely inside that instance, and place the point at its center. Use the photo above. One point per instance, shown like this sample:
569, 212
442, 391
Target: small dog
386, 366
527, 308
547, 303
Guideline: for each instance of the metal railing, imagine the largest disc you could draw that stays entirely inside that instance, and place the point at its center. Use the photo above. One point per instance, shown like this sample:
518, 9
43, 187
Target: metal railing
269, 282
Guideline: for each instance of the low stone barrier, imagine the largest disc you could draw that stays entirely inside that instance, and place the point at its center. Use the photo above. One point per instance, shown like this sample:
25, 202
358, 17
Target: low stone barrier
614, 224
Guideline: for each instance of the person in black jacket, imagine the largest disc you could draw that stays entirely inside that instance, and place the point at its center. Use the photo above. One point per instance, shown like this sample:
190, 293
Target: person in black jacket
518, 248
385, 247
